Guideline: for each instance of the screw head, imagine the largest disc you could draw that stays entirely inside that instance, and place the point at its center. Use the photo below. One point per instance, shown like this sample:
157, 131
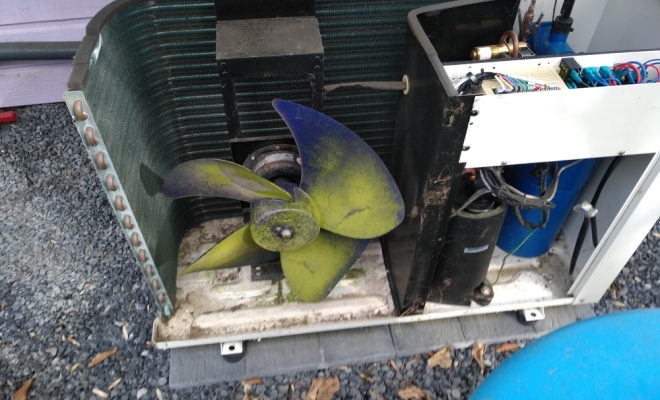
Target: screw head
486, 290
286, 233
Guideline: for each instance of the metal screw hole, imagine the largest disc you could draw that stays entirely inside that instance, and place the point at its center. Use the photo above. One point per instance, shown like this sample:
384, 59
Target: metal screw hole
110, 182
78, 110
100, 161
119, 202
89, 135
135, 238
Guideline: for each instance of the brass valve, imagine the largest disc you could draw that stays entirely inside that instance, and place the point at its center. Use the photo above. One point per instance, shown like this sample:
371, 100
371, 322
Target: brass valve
503, 49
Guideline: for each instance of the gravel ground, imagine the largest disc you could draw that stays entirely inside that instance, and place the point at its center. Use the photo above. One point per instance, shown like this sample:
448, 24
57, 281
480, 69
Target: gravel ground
69, 288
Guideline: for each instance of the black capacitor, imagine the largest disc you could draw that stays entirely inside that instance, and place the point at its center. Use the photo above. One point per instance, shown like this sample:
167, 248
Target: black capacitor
468, 248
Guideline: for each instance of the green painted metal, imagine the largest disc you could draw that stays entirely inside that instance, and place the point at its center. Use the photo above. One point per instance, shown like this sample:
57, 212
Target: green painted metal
155, 94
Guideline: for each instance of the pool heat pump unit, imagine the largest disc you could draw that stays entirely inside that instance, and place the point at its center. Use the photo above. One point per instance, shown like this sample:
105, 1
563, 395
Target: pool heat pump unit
286, 167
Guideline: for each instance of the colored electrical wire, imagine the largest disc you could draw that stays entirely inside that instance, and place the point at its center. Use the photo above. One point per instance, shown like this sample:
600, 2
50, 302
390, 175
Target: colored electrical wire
627, 65
642, 70
511, 253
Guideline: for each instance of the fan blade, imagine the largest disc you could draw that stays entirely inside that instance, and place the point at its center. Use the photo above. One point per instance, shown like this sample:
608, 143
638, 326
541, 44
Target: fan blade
355, 193
236, 250
314, 270
219, 178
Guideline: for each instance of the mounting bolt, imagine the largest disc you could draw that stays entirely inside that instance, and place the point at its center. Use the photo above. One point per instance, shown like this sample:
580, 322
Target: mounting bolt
286, 233
587, 208
486, 290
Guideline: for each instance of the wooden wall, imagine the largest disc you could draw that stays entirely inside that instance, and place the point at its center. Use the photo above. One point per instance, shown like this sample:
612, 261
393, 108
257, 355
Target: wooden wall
35, 82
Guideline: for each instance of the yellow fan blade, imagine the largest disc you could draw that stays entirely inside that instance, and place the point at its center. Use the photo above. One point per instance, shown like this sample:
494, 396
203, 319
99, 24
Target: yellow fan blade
354, 192
219, 178
312, 271
236, 250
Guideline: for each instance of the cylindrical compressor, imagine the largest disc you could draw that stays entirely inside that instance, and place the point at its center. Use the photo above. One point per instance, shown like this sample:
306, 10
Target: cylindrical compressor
468, 247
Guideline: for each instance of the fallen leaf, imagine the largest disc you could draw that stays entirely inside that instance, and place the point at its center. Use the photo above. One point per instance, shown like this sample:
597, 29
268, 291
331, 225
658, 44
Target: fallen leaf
394, 366
3, 306
615, 288
124, 330
323, 389
72, 341
329, 388
656, 234
619, 304
252, 381
115, 383
247, 385
10, 383
343, 368
21, 394
101, 356
141, 393
100, 393
416, 359
131, 304
442, 358
159, 394
366, 377
505, 347
293, 387
376, 395
150, 343
478, 351
314, 389
75, 367
413, 392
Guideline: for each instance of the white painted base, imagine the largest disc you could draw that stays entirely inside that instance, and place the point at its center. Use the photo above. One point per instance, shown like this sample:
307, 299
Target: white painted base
221, 306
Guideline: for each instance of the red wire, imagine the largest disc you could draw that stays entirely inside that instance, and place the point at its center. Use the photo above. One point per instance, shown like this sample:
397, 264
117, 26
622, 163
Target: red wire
629, 66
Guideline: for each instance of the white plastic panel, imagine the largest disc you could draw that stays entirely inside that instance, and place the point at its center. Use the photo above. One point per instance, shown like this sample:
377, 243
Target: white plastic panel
566, 124
632, 223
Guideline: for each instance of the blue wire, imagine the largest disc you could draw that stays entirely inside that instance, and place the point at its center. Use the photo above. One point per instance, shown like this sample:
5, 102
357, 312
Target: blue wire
642, 70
